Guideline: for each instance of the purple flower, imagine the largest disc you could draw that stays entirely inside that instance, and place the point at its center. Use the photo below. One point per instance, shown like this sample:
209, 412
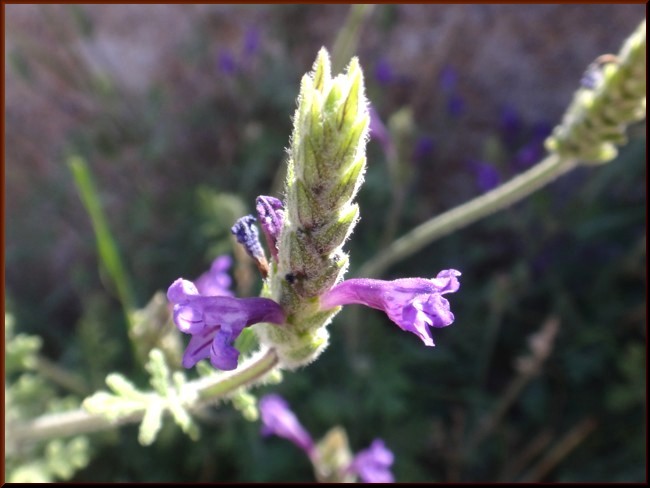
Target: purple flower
215, 322
278, 419
487, 177
372, 465
510, 125
384, 73
414, 304
534, 150
448, 79
270, 211
251, 41
216, 282
455, 105
226, 62
424, 147
379, 132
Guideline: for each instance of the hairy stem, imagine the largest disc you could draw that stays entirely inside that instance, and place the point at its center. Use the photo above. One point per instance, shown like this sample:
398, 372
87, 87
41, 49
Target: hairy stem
80, 421
501, 197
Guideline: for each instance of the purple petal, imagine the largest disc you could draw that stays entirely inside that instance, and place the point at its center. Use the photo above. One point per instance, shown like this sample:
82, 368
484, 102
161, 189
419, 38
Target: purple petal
278, 419
199, 346
414, 304
384, 73
379, 132
216, 281
373, 464
215, 322
180, 291
223, 354
447, 281
188, 319
270, 212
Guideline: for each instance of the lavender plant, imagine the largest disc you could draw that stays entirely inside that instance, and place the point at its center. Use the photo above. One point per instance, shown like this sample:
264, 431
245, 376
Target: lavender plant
305, 234
303, 269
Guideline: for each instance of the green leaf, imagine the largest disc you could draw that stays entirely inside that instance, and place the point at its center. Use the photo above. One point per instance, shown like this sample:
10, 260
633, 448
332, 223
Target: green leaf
151, 423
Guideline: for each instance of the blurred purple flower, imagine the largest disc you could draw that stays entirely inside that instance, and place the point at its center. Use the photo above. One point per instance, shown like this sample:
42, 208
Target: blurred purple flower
278, 419
455, 105
509, 125
372, 465
534, 150
251, 41
226, 62
424, 147
448, 79
414, 304
487, 176
379, 132
541, 130
216, 281
215, 322
384, 73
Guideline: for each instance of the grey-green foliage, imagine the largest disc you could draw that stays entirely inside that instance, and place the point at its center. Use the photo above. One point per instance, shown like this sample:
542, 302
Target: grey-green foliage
170, 394
27, 395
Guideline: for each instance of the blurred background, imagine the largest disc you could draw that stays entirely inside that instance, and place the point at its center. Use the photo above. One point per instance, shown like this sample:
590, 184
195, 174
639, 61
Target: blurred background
182, 115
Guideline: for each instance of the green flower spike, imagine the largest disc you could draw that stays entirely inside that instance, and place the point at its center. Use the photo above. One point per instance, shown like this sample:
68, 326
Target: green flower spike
327, 160
600, 112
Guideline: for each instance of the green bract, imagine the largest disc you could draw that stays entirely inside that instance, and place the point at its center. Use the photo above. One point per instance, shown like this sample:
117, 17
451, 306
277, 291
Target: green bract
327, 160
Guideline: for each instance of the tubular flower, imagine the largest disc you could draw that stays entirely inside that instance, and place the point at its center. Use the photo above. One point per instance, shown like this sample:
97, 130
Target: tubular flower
216, 281
372, 465
414, 304
278, 419
215, 322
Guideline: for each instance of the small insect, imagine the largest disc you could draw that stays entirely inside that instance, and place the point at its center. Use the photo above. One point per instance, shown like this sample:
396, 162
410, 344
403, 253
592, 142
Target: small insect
291, 278
593, 75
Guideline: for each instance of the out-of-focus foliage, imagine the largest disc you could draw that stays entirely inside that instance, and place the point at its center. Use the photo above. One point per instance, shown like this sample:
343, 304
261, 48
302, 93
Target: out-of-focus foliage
184, 133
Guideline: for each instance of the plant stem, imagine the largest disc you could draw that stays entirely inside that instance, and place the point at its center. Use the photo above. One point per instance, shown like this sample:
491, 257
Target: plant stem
501, 197
52, 371
80, 421
561, 450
